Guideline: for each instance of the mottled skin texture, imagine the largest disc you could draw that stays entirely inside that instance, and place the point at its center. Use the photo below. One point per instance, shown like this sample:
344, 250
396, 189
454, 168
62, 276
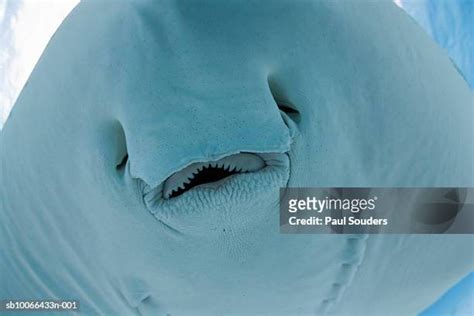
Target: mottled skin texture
176, 82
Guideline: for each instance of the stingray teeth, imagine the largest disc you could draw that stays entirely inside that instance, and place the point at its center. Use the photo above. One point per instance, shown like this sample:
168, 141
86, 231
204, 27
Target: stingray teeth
198, 173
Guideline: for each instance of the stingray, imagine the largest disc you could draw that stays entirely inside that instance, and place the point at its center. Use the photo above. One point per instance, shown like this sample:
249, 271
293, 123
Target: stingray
141, 164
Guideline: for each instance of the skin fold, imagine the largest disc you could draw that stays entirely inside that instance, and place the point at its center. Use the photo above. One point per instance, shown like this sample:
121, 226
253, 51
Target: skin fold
172, 83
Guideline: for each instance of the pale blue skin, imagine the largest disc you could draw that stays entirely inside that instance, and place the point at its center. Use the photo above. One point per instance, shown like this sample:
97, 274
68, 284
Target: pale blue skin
179, 82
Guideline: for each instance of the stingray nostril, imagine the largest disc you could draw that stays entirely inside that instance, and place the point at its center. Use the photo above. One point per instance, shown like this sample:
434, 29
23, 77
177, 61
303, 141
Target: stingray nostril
290, 111
280, 97
122, 163
287, 109
121, 152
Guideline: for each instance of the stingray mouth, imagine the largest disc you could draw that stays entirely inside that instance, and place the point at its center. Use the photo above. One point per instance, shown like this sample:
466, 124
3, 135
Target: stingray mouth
231, 180
210, 174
